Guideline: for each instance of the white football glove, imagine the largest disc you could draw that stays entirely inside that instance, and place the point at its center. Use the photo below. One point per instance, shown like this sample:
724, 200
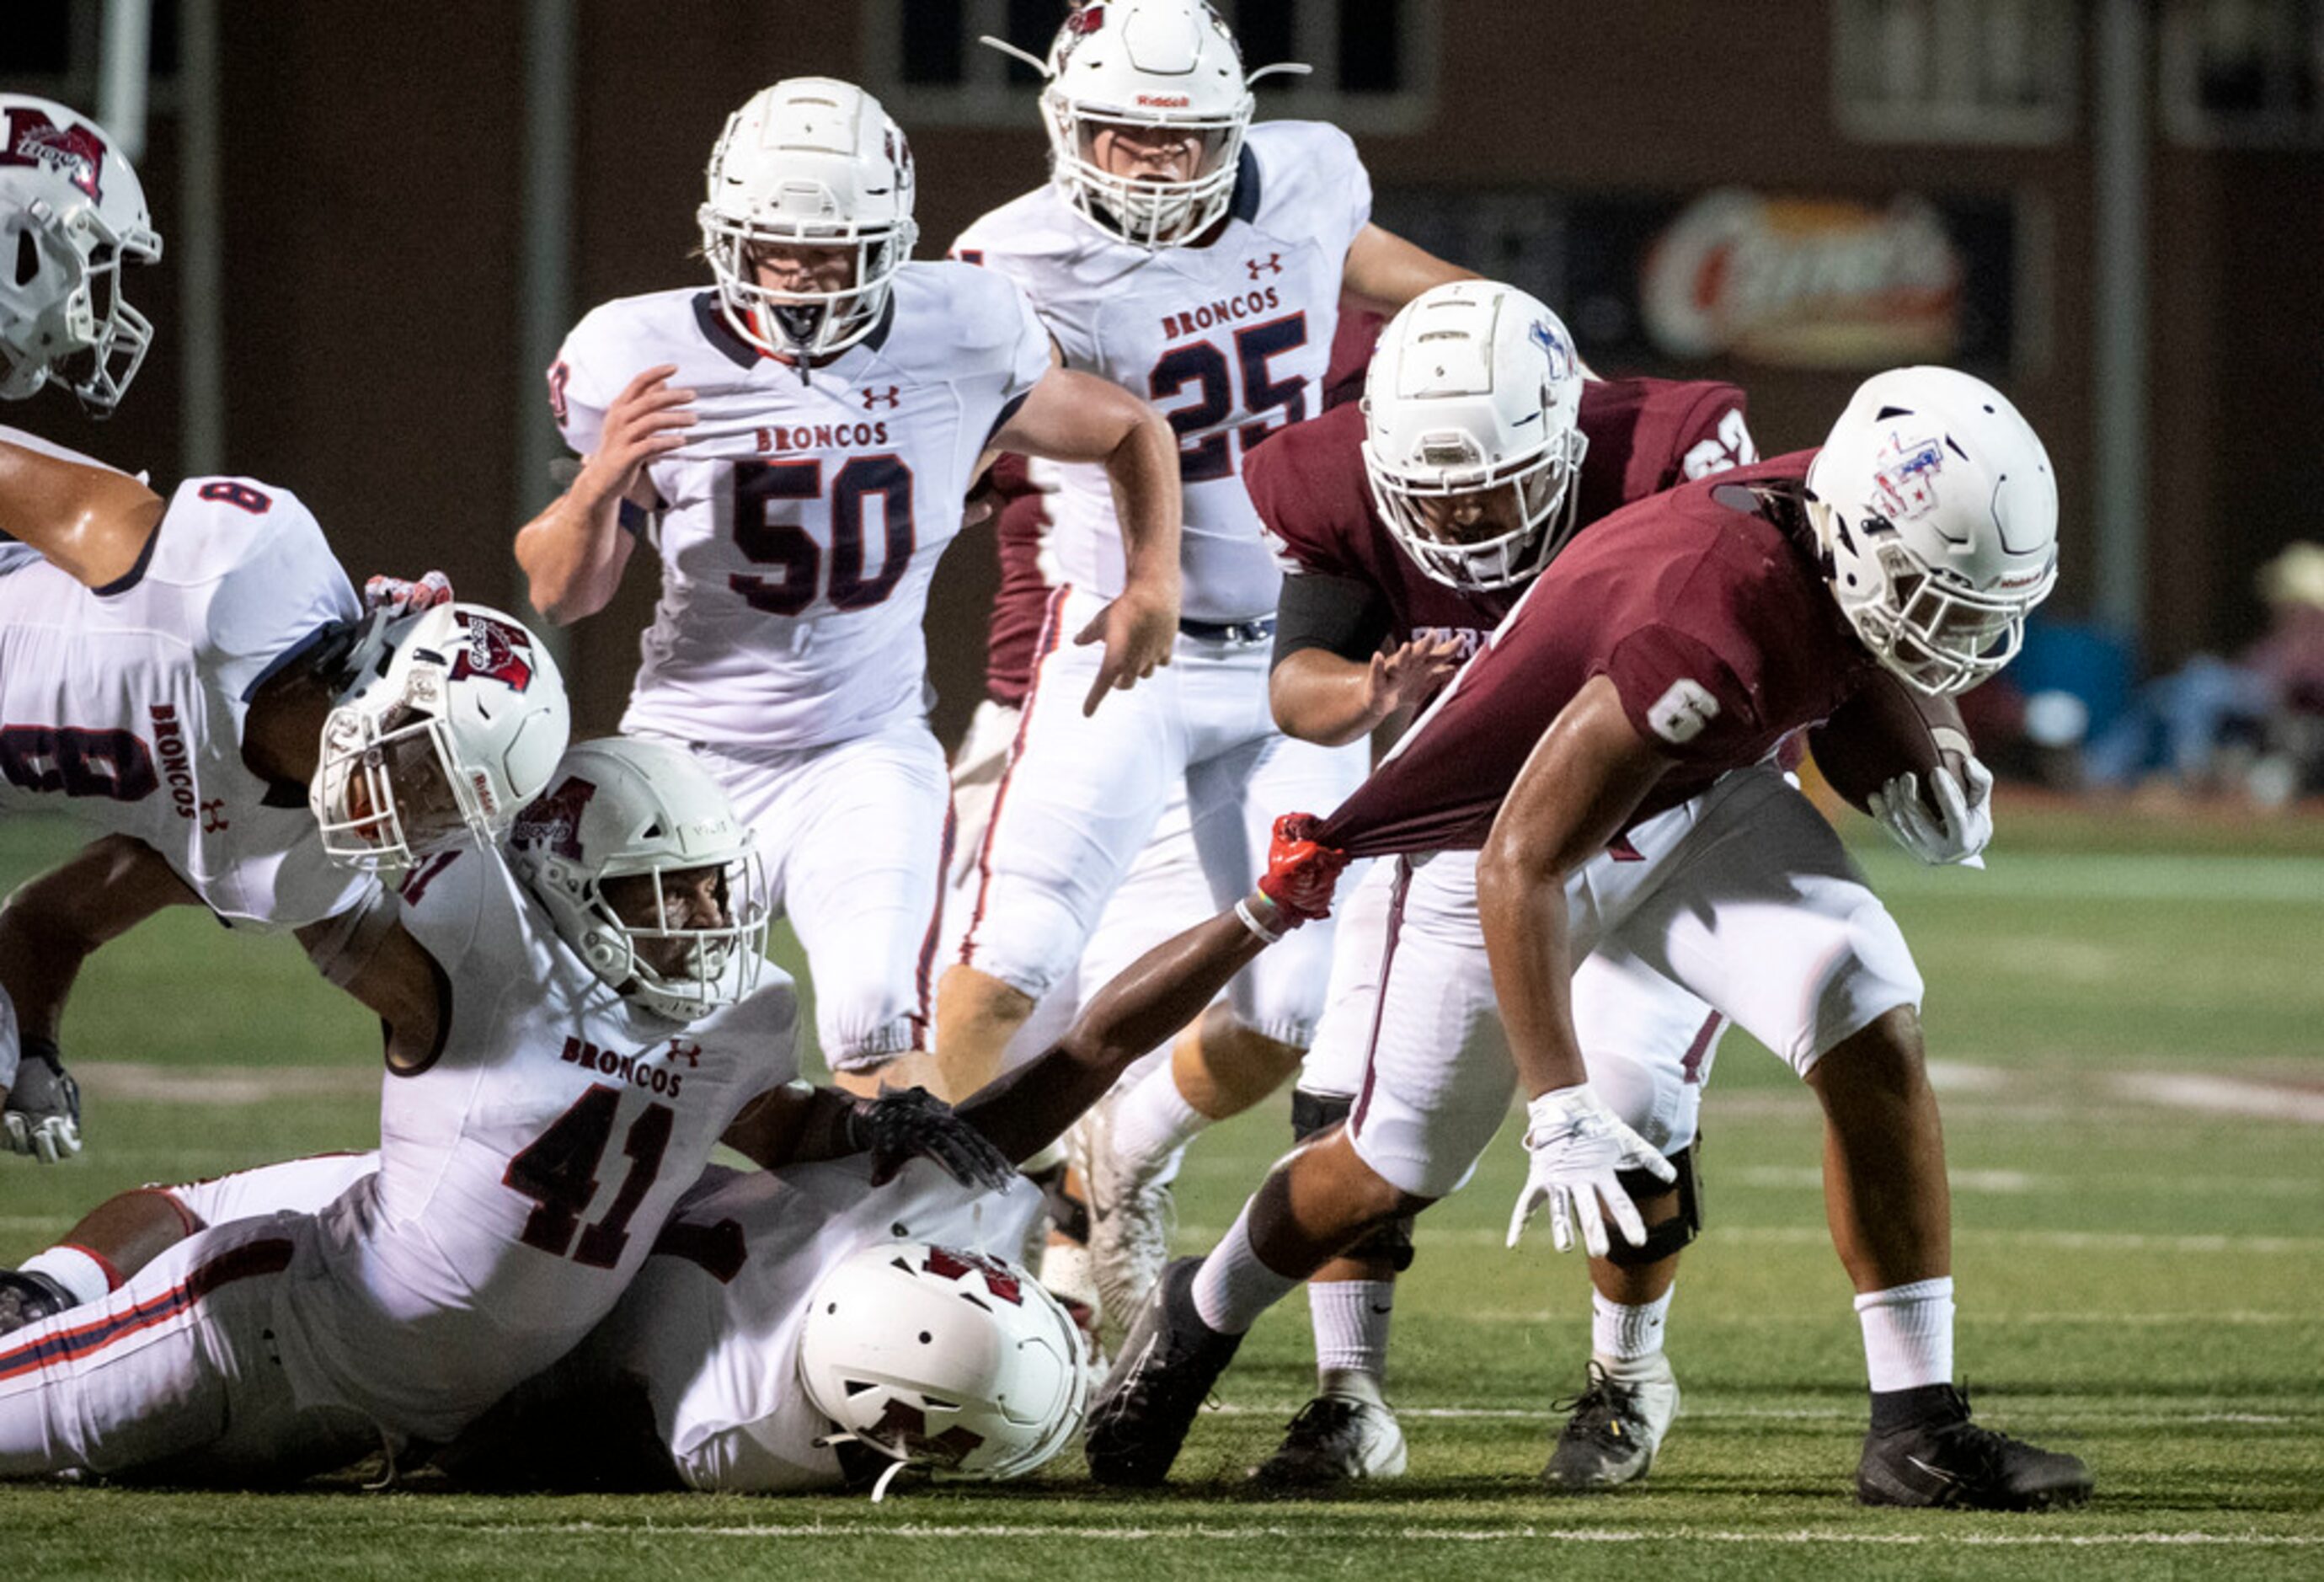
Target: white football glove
1959, 828
1575, 1146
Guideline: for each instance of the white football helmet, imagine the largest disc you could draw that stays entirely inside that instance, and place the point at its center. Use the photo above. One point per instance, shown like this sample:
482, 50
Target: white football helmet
810, 162
1167, 63
452, 723
71, 212
954, 1361
623, 807
1937, 513
1475, 386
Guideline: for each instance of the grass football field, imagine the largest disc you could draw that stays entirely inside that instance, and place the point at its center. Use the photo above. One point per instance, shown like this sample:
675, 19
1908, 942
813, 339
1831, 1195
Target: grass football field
2127, 1022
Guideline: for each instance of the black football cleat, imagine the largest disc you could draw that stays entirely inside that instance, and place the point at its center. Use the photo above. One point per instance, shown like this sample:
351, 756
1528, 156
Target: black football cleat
1161, 1376
1335, 1440
1946, 1462
27, 1298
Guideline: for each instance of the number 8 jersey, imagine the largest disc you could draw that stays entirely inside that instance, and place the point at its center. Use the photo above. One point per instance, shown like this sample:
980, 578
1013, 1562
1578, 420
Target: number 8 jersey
804, 518
1230, 339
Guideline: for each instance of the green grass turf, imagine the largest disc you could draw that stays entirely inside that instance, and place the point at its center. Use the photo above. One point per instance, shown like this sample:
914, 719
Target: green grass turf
2138, 1280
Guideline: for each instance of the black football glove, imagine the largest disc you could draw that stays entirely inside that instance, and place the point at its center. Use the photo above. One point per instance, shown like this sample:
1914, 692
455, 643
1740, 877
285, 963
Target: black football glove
915, 1123
42, 1117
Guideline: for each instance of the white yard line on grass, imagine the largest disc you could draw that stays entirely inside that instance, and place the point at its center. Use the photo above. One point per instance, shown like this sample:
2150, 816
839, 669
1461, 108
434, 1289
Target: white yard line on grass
2052, 1413
2224, 1096
1208, 1533
2072, 1241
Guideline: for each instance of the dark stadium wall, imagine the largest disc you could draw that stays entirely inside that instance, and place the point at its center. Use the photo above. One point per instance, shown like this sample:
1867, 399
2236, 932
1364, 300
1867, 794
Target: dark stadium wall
373, 193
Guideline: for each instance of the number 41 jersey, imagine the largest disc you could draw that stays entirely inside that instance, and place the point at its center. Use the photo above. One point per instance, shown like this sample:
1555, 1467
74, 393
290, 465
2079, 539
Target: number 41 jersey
803, 519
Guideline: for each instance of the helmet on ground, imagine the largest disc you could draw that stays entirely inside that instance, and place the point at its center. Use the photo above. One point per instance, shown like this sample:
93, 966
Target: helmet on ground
949, 1360
625, 807
1475, 387
71, 213
812, 163
1937, 513
453, 720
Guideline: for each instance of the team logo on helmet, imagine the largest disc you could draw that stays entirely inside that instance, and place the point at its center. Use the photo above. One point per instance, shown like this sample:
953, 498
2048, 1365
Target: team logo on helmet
497, 650
904, 1428
74, 152
1001, 1281
1554, 349
1907, 475
1085, 21
553, 818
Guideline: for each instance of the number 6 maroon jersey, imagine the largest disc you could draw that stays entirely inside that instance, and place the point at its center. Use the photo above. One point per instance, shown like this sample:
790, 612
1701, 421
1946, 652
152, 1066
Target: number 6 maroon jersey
523, 1171
803, 518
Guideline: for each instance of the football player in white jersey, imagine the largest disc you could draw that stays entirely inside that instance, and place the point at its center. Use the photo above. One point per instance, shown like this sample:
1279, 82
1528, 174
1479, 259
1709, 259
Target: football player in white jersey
579, 1023
1198, 261
792, 1332
809, 432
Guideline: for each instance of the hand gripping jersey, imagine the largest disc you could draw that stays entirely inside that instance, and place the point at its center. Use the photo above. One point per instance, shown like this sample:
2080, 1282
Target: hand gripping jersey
1705, 607
1646, 436
124, 706
712, 1325
804, 520
522, 1173
1231, 340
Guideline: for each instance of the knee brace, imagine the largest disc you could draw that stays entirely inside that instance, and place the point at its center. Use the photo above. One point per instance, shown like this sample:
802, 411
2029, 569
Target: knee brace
1665, 1239
1312, 1114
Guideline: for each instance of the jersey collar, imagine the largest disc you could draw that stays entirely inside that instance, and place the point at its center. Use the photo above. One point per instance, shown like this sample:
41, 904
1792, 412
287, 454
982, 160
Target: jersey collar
712, 321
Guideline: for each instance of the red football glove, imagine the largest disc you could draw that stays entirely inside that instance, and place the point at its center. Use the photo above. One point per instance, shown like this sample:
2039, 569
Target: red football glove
400, 598
1301, 873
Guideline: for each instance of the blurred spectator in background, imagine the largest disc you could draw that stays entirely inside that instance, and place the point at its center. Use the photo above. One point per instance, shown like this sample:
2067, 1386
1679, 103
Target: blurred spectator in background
2255, 722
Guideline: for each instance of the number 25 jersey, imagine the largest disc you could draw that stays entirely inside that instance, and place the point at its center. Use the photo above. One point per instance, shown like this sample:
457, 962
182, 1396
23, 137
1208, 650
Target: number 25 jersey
804, 519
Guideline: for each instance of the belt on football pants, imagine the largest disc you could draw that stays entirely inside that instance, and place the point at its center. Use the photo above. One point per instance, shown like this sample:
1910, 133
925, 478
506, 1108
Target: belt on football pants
1258, 629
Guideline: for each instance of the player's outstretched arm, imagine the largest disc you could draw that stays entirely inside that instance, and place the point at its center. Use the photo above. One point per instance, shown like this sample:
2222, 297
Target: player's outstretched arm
573, 551
797, 1123
91, 523
1583, 780
1078, 417
1319, 696
1384, 272
1028, 1108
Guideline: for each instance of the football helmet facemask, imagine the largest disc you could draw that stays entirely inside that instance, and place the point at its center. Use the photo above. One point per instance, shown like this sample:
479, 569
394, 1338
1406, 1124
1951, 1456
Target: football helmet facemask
1158, 66
1475, 387
71, 213
811, 163
452, 721
625, 807
953, 1360
1936, 510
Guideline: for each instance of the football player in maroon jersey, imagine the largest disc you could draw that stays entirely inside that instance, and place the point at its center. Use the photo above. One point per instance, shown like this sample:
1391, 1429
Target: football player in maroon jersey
1602, 757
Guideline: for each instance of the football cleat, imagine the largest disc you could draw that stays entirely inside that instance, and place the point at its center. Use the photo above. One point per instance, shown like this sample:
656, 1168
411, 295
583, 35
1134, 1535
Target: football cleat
1334, 1439
42, 1117
1128, 1218
1616, 1427
27, 1296
1948, 1462
1167, 1364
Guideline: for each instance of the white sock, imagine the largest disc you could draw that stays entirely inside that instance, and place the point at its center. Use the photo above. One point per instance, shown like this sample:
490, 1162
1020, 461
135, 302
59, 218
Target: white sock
1351, 1318
1152, 1122
1233, 1288
1908, 1335
1621, 1333
82, 1273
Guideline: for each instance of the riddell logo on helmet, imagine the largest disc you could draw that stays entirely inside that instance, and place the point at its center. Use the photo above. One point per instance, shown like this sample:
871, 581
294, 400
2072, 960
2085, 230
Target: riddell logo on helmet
494, 649
1163, 101
554, 820
74, 152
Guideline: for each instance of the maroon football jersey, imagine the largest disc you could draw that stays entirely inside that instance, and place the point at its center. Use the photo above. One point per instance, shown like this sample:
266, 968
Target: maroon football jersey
1352, 344
1710, 617
1646, 436
1022, 600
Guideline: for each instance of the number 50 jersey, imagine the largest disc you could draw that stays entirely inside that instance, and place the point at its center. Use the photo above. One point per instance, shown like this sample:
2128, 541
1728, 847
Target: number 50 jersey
804, 518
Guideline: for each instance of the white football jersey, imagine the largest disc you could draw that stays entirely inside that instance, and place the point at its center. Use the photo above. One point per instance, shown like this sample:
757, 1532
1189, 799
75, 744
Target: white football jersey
1230, 340
124, 706
712, 1325
803, 520
523, 1172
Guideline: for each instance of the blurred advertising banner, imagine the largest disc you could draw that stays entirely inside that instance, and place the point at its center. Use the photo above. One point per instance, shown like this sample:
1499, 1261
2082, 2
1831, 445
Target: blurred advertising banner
1733, 276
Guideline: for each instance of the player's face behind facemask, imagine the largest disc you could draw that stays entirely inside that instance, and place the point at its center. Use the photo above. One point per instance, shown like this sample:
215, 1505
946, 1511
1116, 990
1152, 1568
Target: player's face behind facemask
637, 857
71, 215
452, 720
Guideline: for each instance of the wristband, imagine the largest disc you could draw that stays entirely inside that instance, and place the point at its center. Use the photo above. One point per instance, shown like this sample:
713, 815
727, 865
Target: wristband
1249, 919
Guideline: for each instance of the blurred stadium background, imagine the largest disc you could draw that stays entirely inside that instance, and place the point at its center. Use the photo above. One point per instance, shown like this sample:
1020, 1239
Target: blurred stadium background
379, 220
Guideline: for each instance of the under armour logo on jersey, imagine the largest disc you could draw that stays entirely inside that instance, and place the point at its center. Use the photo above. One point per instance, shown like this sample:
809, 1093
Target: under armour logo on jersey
74, 152
891, 396
214, 817
691, 1053
1272, 263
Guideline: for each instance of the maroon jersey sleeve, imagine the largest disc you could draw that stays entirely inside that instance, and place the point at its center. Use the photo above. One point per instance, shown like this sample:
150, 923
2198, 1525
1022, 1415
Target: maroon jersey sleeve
1352, 354
1021, 603
1648, 435
1307, 484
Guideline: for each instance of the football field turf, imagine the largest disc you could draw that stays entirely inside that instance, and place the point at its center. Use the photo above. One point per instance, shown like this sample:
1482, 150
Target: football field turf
2127, 1028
